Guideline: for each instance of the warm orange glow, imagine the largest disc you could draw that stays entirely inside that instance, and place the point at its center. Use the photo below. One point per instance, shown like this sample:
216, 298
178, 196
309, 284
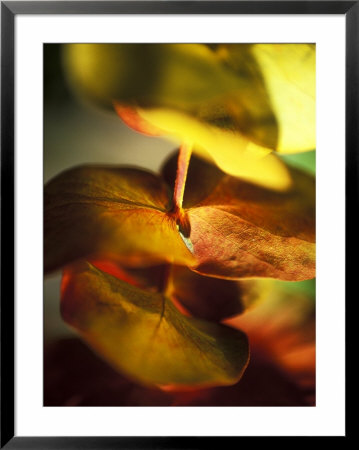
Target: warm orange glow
277, 335
188, 280
134, 120
66, 277
180, 307
115, 270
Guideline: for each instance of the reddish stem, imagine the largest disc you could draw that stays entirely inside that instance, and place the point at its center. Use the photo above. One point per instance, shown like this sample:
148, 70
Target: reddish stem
182, 168
181, 175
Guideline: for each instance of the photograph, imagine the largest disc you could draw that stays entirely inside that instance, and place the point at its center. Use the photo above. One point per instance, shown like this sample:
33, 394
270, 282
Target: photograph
179, 224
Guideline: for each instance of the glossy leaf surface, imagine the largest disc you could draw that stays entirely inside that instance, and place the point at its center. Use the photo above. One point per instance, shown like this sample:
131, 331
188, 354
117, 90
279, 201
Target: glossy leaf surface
144, 336
117, 213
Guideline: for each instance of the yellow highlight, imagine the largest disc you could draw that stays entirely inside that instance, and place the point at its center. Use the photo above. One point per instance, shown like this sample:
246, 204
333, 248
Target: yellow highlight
232, 152
262, 94
289, 74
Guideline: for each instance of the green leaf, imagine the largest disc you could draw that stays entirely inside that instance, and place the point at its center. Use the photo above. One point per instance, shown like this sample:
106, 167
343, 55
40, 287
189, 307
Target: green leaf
144, 336
305, 161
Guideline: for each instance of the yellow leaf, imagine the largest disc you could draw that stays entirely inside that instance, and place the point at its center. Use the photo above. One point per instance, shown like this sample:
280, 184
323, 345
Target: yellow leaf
169, 75
117, 213
231, 151
289, 73
144, 336
203, 297
235, 102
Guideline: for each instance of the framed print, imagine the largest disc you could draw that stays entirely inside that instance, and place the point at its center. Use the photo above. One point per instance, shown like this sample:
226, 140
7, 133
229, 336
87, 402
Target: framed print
175, 187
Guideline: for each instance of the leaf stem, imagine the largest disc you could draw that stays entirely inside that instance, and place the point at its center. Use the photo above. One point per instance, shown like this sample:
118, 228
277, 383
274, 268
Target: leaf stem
184, 156
177, 212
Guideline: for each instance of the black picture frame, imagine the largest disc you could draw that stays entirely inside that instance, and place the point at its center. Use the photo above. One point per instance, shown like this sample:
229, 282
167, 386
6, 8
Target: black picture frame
9, 10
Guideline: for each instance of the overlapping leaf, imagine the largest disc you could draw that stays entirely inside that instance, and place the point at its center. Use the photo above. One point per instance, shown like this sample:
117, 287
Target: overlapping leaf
186, 90
116, 212
74, 376
208, 298
263, 90
239, 230
230, 150
281, 331
144, 336
236, 230
234, 104
218, 97
203, 297
288, 71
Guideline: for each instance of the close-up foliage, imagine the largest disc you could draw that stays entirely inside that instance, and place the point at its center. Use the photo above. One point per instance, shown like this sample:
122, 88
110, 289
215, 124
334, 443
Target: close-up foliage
179, 224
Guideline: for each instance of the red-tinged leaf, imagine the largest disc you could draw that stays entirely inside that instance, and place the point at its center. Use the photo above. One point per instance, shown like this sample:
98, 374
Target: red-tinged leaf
231, 229
132, 119
202, 297
228, 246
239, 230
117, 213
205, 297
144, 336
